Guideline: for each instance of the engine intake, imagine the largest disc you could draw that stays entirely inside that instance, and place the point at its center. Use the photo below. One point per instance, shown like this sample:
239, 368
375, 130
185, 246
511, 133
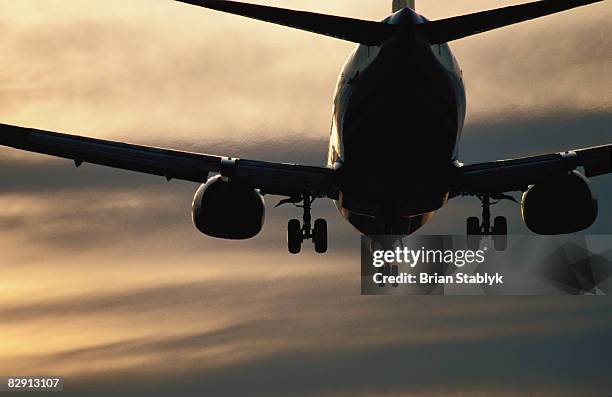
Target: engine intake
229, 210
560, 205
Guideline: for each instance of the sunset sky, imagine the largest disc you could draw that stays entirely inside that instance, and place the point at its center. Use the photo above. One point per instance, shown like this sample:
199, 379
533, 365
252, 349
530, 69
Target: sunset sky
105, 280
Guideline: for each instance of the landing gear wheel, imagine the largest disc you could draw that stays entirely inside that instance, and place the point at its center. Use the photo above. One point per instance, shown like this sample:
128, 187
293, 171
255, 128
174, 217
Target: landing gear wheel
500, 233
500, 226
499, 229
298, 231
473, 226
319, 236
294, 236
473, 233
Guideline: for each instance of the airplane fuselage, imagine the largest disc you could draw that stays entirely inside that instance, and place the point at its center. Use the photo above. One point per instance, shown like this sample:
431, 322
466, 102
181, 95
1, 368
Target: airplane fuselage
398, 114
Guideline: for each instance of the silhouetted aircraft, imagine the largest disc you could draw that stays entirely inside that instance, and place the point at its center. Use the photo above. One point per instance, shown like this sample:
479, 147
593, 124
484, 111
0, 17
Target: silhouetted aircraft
399, 109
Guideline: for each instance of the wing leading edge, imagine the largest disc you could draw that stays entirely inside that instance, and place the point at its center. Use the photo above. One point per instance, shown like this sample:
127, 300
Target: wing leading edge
272, 178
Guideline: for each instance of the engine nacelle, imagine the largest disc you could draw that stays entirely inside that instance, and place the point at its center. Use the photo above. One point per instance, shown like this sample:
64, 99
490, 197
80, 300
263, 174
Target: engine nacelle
561, 205
229, 210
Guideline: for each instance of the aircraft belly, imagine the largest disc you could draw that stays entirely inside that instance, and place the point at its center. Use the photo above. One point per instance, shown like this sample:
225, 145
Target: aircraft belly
399, 136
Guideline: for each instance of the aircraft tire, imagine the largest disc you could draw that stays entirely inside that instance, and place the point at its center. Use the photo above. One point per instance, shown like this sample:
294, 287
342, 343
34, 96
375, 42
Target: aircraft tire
319, 236
473, 226
500, 226
294, 236
500, 233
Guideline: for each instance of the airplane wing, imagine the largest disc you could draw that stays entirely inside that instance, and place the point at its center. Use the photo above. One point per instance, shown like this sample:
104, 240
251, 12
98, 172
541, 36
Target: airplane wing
503, 176
271, 178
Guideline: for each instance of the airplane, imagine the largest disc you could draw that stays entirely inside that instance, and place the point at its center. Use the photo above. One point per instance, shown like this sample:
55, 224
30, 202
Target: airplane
398, 113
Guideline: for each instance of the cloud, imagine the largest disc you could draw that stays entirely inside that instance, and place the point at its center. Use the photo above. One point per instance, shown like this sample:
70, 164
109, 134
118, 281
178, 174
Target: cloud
534, 72
139, 71
331, 346
105, 280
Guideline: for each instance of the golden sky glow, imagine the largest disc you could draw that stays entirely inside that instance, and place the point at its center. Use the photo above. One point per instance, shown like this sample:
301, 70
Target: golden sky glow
103, 271
144, 69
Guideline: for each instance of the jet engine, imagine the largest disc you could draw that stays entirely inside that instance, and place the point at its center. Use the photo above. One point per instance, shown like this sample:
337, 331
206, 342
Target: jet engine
229, 210
560, 205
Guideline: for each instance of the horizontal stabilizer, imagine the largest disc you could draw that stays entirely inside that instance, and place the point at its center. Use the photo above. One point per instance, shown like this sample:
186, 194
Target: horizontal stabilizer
444, 30
355, 30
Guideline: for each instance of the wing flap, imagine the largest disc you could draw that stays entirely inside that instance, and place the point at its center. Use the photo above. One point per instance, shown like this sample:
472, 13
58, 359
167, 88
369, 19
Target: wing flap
287, 179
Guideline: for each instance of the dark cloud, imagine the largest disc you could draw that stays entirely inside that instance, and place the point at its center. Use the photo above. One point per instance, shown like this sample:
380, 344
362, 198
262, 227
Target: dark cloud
389, 346
396, 370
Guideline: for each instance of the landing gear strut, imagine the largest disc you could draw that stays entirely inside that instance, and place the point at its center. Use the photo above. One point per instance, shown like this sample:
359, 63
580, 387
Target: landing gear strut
476, 228
298, 232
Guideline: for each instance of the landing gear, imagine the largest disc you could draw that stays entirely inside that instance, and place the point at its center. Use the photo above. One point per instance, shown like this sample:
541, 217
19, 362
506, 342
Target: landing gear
294, 236
473, 226
319, 236
500, 233
297, 233
473, 233
477, 228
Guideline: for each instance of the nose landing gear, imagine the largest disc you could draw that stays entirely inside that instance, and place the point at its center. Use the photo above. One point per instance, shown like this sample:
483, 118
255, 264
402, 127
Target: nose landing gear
298, 232
477, 228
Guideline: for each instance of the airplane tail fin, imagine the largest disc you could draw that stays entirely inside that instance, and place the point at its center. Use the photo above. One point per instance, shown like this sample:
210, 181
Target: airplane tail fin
444, 30
401, 4
375, 33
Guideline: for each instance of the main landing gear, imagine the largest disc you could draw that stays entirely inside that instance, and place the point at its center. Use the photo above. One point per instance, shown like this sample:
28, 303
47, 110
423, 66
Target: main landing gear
477, 228
297, 232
